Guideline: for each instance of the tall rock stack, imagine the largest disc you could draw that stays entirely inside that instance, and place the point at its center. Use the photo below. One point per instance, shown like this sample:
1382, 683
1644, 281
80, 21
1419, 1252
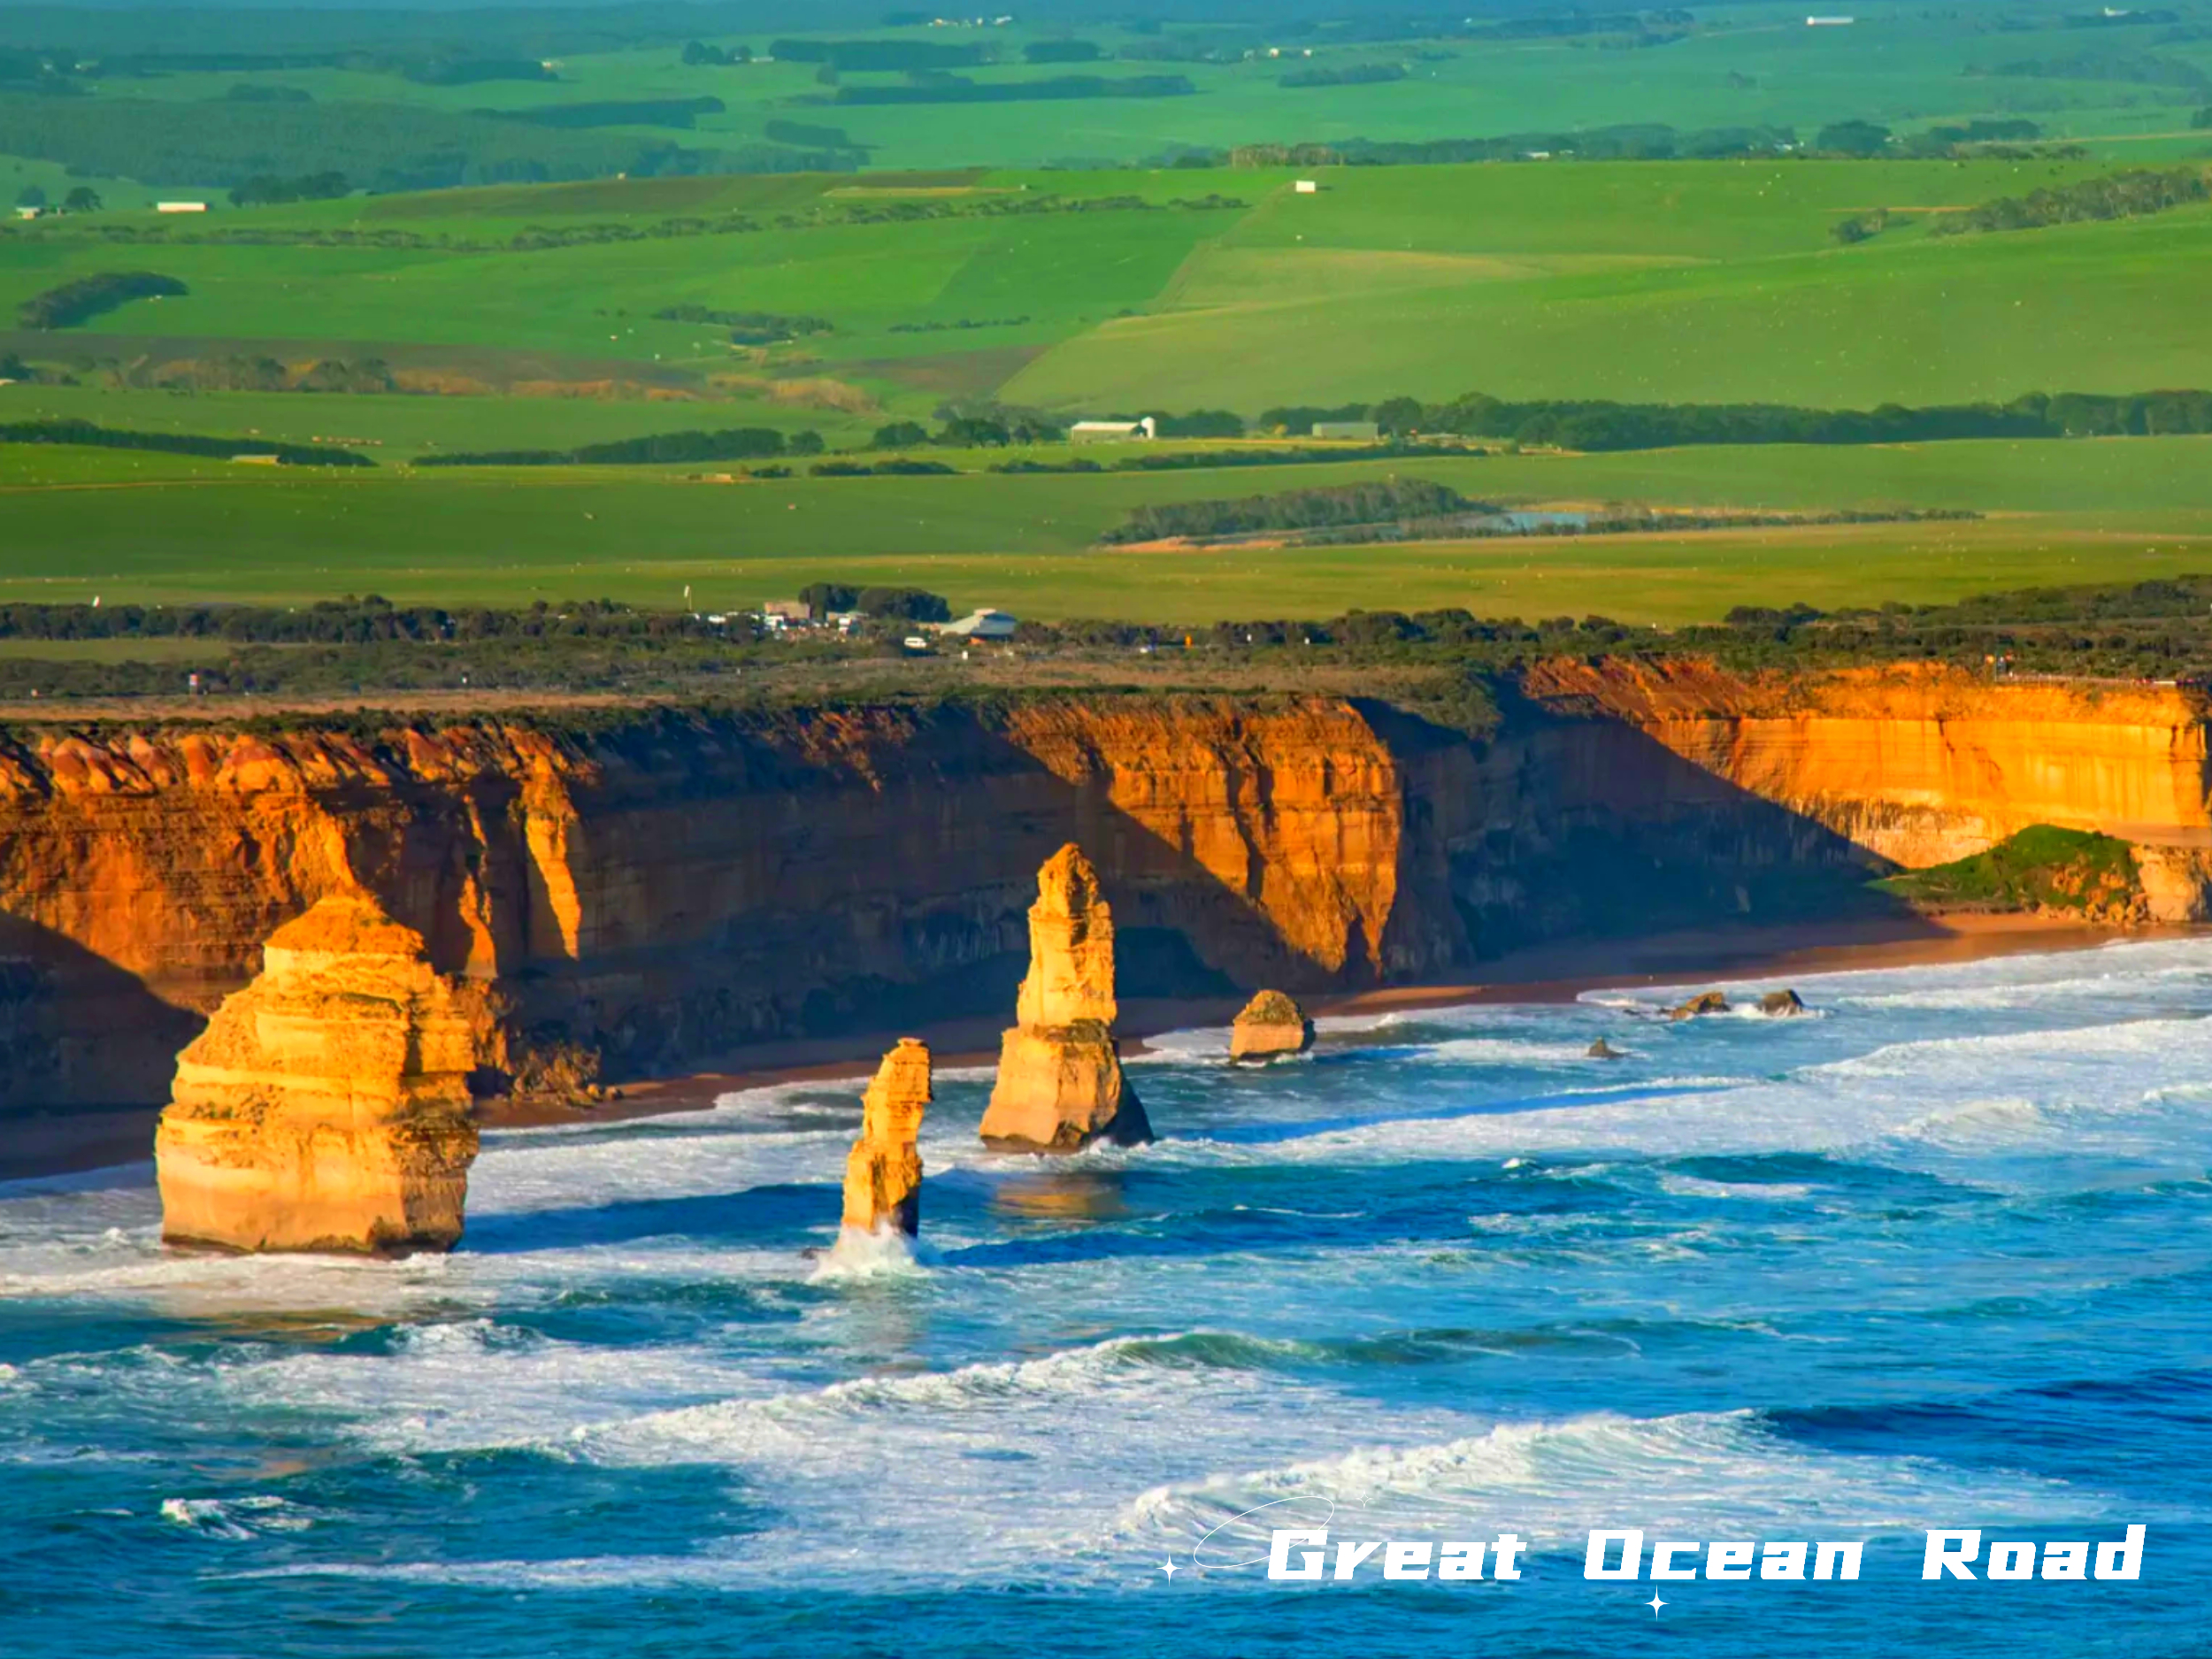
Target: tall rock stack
325, 1106
883, 1173
1060, 1083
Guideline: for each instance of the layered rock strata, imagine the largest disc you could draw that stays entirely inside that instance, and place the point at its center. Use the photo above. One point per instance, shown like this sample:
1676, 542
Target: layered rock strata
1920, 764
325, 1107
662, 891
1060, 1083
1270, 1023
883, 1173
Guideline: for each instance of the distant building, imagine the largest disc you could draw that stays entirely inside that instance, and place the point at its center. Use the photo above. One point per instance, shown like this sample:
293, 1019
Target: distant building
1366, 431
1113, 431
983, 624
1308, 187
29, 212
180, 207
1829, 23
780, 614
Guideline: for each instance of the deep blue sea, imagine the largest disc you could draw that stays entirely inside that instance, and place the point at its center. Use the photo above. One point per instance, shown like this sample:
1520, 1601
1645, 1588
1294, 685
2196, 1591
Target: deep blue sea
1938, 1255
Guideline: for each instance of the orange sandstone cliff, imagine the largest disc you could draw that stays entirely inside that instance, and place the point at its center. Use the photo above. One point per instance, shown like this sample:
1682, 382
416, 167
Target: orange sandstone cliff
666, 888
1921, 765
674, 886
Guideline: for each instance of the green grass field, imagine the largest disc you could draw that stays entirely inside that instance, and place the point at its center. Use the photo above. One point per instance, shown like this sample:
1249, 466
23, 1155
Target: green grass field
146, 529
1738, 65
1654, 280
1662, 282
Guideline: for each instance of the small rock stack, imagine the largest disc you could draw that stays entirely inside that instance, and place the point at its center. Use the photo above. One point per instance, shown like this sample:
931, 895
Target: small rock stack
1060, 1084
1270, 1023
883, 1173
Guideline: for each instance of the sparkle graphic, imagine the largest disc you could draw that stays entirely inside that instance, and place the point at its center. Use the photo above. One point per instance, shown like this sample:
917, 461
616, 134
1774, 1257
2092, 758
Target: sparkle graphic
1655, 1604
1168, 1567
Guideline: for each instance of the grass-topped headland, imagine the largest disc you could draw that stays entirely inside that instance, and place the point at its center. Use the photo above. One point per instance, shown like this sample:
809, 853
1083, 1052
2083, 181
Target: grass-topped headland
1448, 664
2041, 867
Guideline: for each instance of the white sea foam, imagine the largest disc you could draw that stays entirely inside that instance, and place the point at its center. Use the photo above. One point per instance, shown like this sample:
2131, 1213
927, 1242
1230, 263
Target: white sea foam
845, 1415
861, 1253
1075, 1520
1506, 1051
1693, 1186
236, 1519
1703, 1474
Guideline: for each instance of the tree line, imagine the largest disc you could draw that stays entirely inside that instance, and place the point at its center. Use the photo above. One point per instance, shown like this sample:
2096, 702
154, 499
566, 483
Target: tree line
680, 112
346, 621
1577, 424
2131, 194
266, 189
736, 443
1350, 75
897, 604
89, 297
86, 434
384, 147
1633, 141
1057, 87
1383, 501
536, 238
748, 328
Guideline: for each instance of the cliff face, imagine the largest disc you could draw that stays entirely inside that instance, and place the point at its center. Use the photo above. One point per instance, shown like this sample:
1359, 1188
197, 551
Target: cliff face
1920, 766
666, 892
679, 888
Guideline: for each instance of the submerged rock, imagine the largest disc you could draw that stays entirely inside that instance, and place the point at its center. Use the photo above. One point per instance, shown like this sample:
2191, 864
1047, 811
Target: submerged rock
883, 1173
1060, 1084
1703, 1003
1270, 1023
1781, 1004
325, 1106
1603, 1050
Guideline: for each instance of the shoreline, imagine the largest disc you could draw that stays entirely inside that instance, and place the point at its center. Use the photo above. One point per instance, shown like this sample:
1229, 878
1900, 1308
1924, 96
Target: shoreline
1550, 973
58, 1144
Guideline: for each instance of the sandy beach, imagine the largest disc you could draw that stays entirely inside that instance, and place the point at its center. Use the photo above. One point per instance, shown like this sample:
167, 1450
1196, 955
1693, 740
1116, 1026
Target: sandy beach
66, 1143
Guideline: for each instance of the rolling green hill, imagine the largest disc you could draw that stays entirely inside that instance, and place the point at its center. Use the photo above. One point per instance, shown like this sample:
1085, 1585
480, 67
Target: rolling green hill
1096, 292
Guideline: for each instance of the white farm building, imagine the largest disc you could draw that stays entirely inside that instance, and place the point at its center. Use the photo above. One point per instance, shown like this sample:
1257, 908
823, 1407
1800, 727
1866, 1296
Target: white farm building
1113, 431
982, 625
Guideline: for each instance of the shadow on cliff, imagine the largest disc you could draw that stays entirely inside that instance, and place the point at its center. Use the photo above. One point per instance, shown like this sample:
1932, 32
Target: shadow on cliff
1589, 828
818, 903
78, 1033
814, 898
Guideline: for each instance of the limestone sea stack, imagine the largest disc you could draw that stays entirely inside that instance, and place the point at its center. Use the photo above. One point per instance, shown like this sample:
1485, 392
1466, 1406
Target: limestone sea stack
325, 1107
883, 1173
1060, 1083
1270, 1023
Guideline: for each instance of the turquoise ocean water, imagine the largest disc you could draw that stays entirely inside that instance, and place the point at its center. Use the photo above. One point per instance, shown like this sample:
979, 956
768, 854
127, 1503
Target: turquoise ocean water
1939, 1255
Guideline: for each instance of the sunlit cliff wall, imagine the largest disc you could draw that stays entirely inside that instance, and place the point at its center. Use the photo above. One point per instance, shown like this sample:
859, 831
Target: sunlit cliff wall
674, 888
671, 888
1921, 765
